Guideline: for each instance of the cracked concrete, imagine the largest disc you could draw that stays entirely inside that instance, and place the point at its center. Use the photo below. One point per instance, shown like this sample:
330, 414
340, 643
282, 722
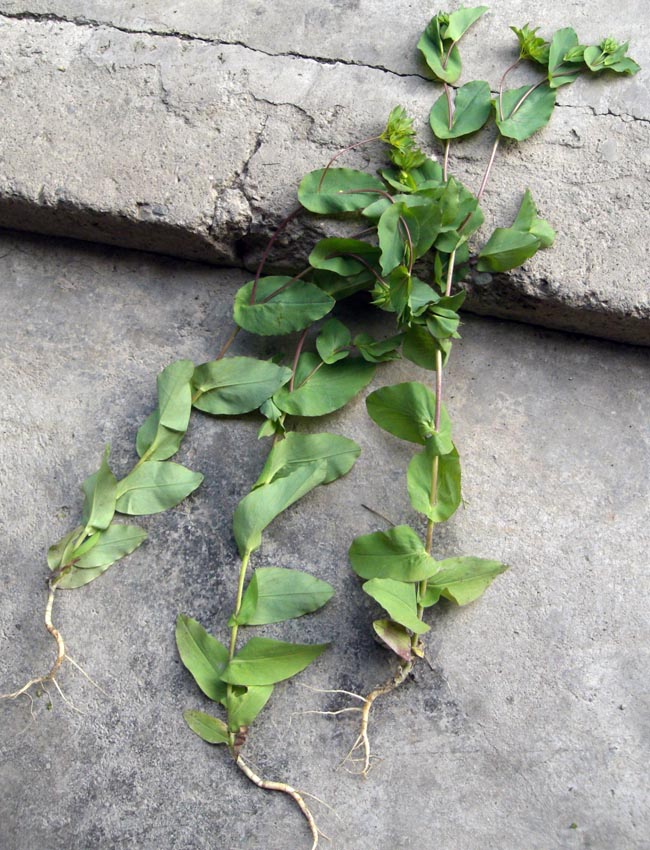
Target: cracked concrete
530, 732
184, 129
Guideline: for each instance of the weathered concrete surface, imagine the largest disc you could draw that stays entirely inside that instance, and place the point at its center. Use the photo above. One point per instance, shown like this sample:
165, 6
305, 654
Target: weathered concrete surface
535, 715
172, 129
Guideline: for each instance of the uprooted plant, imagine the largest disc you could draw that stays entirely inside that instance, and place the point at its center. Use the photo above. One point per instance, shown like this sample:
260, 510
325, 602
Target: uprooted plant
317, 383
153, 485
417, 211
416, 216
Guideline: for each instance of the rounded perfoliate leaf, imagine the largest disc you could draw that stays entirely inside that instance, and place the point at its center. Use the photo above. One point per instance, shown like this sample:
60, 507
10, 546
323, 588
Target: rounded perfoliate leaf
339, 455
394, 636
244, 704
236, 385
99, 496
525, 111
420, 482
398, 598
333, 342
109, 546
282, 305
338, 190
442, 57
261, 506
397, 553
155, 486
321, 389
341, 256
461, 580
461, 20
472, 107
408, 411
203, 655
264, 662
506, 249
275, 594
211, 729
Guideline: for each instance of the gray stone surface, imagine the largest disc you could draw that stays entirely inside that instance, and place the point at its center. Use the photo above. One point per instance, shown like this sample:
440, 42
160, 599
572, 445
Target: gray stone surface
183, 129
535, 714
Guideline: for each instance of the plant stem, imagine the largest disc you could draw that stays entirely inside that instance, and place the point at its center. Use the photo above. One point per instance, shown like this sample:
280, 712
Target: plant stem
341, 152
296, 358
450, 121
240, 592
486, 175
224, 348
522, 100
428, 542
267, 250
503, 82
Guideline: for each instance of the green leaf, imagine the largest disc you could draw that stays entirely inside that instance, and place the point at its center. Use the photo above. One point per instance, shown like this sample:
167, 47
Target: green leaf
338, 191
237, 385
528, 221
442, 57
392, 236
472, 107
162, 432
211, 729
155, 486
408, 411
63, 547
156, 441
394, 636
506, 249
333, 342
244, 704
398, 599
420, 479
342, 287
610, 56
420, 347
378, 350
338, 453
523, 117
461, 20
203, 655
111, 545
339, 256
321, 389
175, 395
99, 496
461, 580
282, 305
561, 72
397, 553
264, 662
260, 507
275, 594
442, 323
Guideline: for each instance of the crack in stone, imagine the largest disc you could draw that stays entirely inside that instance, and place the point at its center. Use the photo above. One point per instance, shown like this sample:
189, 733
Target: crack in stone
91, 23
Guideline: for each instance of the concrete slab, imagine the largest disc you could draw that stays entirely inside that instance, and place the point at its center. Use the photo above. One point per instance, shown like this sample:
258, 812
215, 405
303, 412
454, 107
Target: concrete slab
167, 130
531, 731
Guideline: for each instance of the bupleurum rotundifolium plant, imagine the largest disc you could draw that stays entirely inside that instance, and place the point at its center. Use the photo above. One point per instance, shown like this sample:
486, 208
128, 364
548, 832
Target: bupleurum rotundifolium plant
417, 219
